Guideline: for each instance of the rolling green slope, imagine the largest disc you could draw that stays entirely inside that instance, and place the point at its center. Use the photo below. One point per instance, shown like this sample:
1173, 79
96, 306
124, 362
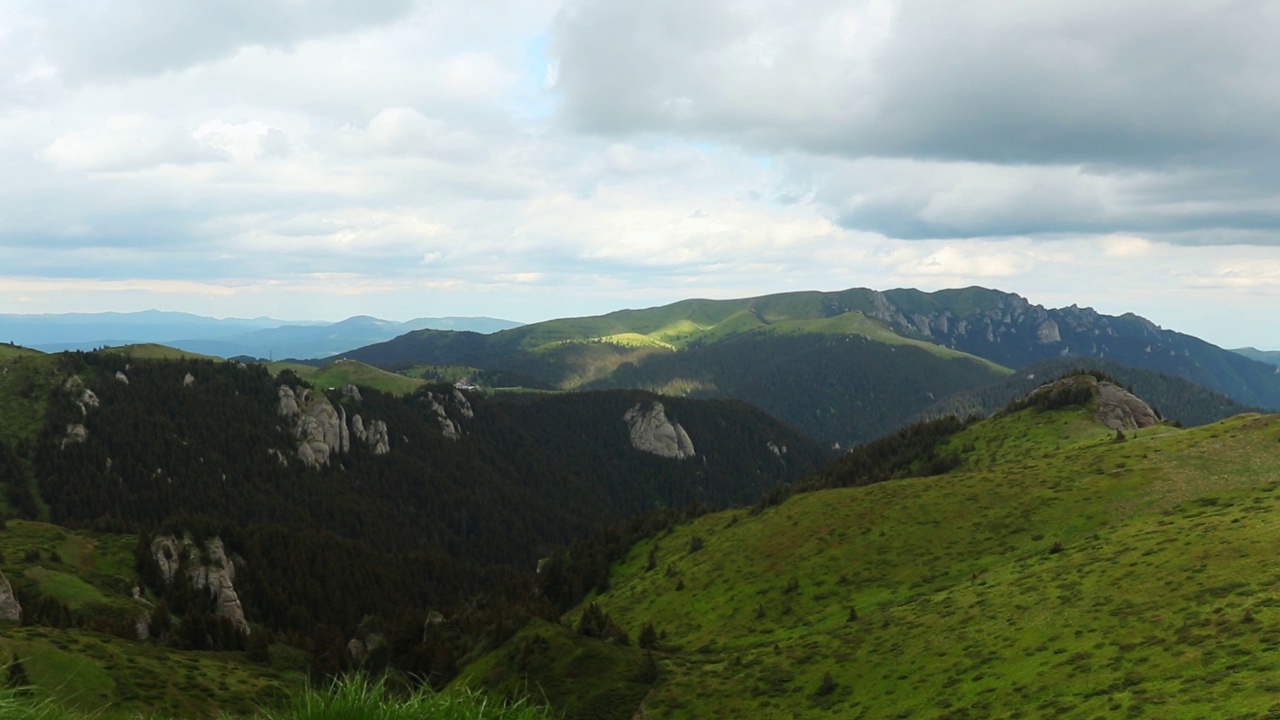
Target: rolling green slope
350, 372
1055, 573
815, 360
89, 661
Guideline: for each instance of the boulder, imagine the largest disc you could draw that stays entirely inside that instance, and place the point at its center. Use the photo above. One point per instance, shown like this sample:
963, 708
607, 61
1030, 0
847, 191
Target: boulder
189, 380
1119, 409
652, 432
121, 377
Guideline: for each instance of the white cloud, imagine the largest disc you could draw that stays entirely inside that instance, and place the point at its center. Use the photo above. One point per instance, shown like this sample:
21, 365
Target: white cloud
385, 158
129, 142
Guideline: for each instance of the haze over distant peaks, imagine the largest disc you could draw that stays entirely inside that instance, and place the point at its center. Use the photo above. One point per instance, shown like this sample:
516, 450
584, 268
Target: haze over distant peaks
263, 337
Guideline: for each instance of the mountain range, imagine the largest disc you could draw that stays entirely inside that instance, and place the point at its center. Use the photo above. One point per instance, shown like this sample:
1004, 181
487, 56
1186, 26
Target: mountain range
844, 367
641, 514
260, 337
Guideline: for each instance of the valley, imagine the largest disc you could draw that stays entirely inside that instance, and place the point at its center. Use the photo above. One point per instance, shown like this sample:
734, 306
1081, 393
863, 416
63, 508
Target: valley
602, 516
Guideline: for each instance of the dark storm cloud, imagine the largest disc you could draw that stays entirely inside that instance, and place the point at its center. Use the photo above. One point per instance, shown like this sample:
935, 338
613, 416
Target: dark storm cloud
1169, 112
1139, 83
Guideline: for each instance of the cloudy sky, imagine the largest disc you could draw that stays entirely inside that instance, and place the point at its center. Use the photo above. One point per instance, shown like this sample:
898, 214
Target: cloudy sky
528, 159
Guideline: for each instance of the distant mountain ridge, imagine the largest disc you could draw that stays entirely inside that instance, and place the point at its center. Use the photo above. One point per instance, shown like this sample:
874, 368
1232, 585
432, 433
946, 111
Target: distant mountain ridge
793, 354
261, 337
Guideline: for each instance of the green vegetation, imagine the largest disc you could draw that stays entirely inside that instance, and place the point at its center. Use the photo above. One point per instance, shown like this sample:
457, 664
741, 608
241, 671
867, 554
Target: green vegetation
26, 378
819, 361
1055, 572
152, 351
77, 646
354, 698
350, 372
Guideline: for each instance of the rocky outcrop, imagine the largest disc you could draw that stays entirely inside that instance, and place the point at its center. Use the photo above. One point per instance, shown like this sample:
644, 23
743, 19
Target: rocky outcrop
375, 434
10, 609
76, 433
463, 404
1119, 409
207, 568
323, 429
653, 432
288, 402
188, 380
1112, 405
278, 456
448, 428
121, 377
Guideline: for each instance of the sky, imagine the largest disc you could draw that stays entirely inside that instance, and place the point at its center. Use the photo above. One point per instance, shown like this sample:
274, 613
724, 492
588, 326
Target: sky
531, 159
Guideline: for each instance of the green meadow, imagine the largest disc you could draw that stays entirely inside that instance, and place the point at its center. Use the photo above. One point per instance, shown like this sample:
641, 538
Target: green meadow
1059, 572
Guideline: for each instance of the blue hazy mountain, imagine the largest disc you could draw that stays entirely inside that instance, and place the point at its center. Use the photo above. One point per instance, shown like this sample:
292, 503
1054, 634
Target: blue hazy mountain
260, 337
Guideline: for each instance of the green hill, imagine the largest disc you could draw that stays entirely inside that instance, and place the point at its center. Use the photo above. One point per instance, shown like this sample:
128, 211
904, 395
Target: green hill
418, 503
781, 353
816, 360
1055, 572
350, 372
153, 351
77, 646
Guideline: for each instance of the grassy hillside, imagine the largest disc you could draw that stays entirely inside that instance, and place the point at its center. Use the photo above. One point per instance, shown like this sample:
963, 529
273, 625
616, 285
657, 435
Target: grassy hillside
26, 377
814, 360
352, 698
350, 372
1175, 398
1056, 573
152, 351
92, 662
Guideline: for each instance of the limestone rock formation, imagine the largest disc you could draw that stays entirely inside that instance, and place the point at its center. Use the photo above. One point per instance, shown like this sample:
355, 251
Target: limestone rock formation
121, 377
288, 406
652, 432
463, 404
189, 380
323, 429
448, 428
1119, 409
76, 433
374, 434
1112, 405
208, 568
9, 607
279, 457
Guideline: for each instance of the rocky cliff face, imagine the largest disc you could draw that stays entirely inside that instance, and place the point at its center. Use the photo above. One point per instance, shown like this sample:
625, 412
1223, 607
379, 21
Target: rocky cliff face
653, 432
207, 568
323, 429
1007, 329
374, 434
10, 609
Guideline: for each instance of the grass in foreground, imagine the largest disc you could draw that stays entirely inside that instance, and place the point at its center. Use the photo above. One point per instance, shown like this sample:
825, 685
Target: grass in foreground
353, 698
